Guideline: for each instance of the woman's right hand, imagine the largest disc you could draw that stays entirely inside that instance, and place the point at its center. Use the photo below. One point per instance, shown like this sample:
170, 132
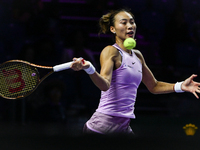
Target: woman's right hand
79, 64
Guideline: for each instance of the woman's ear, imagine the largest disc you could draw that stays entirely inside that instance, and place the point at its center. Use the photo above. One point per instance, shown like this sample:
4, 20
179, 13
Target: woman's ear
112, 29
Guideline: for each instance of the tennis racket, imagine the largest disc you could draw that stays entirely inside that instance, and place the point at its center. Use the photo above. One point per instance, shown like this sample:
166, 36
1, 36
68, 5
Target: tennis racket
19, 78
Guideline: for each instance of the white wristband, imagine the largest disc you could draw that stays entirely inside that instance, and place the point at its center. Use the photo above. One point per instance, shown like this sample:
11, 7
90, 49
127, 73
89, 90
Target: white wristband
91, 69
177, 87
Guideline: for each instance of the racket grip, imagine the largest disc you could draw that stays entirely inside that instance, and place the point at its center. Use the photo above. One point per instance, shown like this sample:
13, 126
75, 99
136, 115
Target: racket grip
62, 67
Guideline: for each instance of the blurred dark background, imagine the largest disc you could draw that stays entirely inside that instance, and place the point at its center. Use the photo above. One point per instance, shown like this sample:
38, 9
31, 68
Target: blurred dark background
50, 32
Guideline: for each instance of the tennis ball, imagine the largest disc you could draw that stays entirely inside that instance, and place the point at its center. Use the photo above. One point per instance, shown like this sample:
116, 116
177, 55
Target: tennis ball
129, 43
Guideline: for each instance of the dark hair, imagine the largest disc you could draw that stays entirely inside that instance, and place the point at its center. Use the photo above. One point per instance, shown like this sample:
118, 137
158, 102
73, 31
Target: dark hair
107, 20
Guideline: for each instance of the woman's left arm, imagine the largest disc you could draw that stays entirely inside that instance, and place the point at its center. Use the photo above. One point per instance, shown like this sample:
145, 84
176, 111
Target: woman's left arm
159, 87
189, 85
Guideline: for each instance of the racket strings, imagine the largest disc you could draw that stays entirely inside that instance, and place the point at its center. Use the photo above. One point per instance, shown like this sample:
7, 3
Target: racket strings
17, 79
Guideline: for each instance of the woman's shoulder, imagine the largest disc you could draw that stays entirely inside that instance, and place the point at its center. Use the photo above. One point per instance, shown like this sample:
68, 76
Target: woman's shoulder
139, 55
110, 50
137, 52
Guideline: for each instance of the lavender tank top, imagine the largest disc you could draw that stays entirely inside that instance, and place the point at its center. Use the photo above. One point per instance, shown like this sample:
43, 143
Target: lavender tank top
119, 99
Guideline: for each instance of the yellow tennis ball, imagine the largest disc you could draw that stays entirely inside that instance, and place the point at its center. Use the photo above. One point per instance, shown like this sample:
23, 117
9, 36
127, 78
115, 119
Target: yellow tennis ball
129, 43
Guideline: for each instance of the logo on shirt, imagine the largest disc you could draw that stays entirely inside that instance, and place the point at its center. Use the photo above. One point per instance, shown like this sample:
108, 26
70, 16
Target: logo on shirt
131, 66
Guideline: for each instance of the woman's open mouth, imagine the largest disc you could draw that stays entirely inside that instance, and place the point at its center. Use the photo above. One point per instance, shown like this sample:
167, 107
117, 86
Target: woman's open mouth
130, 34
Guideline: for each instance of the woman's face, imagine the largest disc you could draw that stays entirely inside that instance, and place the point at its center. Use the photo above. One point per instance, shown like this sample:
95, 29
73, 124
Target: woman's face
124, 26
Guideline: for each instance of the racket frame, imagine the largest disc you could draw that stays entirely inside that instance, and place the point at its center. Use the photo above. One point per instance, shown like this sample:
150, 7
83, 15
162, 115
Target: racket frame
53, 69
39, 80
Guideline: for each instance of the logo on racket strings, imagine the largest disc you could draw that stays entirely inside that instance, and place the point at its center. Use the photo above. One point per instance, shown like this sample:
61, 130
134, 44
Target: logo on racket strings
11, 81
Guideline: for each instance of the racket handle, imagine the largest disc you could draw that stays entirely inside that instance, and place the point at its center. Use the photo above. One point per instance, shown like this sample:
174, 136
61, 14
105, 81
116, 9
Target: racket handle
61, 67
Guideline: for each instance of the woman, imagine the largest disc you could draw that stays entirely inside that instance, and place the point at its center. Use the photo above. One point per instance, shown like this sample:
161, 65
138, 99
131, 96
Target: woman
121, 72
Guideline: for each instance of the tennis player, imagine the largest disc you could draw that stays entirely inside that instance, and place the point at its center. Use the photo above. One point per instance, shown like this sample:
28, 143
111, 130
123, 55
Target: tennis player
121, 73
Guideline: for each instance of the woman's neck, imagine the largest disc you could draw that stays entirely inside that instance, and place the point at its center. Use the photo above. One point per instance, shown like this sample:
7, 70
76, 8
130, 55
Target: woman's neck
120, 43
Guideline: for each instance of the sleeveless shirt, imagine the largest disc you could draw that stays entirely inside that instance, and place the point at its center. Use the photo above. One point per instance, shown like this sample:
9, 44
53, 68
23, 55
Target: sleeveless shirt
119, 99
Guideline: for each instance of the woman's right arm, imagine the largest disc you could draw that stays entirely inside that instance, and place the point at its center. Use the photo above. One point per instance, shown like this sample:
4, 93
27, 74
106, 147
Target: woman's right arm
107, 59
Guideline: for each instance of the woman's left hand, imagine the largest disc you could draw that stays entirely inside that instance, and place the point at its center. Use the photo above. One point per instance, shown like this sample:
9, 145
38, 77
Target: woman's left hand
189, 85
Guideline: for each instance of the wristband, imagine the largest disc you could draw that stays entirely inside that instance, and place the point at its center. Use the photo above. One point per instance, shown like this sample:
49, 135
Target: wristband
177, 87
91, 69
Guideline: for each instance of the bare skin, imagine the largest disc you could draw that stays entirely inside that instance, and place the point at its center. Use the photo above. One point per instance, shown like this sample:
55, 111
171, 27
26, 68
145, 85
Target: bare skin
110, 59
